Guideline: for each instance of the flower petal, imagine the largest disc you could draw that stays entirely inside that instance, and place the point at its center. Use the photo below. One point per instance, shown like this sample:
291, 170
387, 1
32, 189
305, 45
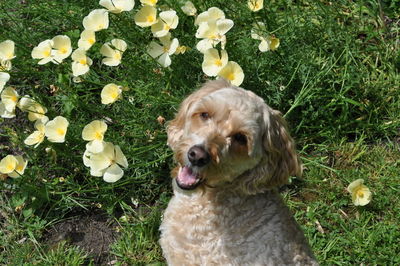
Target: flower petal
113, 173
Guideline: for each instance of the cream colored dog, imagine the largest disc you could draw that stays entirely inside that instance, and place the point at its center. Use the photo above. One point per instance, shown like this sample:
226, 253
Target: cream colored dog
232, 151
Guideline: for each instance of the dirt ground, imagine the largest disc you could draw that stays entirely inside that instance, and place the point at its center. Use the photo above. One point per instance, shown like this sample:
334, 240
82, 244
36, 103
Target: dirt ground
93, 232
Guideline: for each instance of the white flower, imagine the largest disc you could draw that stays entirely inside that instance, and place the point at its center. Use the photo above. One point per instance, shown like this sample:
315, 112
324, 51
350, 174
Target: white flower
117, 6
36, 110
107, 163
146, 16
96, 20
189, 9
19, 168
212, 33
88, 38
5, 65
7, 50
259, 32
113, 52
163, 52
4, 77
111, 93
81, 62
94, 133
4, 113
9, 97
56, 129
213, 62
38, 135
255, 5
212, 14
62, 47
360, 194
167, 20
44, 52
233, 73
13, 166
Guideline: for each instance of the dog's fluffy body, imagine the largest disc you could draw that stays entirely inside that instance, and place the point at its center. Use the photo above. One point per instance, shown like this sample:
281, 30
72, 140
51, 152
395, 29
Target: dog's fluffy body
232, 152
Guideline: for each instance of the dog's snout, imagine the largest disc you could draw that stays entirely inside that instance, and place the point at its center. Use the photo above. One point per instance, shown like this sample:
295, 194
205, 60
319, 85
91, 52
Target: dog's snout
198, 156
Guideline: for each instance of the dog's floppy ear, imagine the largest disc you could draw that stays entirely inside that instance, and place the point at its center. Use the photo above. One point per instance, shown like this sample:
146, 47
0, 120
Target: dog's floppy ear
279, 158
175, 127
282, 160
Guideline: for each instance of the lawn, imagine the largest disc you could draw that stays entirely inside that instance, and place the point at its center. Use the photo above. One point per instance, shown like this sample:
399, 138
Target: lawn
334, 76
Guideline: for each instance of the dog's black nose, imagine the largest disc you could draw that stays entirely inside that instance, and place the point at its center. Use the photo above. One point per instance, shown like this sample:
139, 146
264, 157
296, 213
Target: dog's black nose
198, 156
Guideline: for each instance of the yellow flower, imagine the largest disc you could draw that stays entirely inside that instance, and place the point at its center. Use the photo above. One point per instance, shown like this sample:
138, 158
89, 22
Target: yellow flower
146, 16
88, 38
106, 163
213, 63
13, 166
4, 77
163, 52
19, 168
255, 5
212, 29
56, 129
5, 65
62, 47
96, 20
38, 135
81, 62
168, 20
233, 73
94, 133
258, 32
9, 97
189, 9
111, 93
181, 49
212, 14
7, 50
44, 52
149, 2
360, 194
4, 113
113, 56
36, 110
117, 6
8, 164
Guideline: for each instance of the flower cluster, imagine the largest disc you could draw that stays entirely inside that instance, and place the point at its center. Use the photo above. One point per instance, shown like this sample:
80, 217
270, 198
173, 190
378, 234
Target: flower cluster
103, 158
54, 50
212, 27
59, 48
160, 28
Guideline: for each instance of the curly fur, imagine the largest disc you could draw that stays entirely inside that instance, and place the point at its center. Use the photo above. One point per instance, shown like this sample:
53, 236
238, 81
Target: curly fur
234, 216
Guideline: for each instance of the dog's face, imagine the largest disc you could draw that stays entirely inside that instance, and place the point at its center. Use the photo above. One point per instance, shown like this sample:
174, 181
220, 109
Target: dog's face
226, 135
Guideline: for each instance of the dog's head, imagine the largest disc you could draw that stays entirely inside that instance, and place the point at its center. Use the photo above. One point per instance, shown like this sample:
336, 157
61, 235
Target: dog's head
227, 136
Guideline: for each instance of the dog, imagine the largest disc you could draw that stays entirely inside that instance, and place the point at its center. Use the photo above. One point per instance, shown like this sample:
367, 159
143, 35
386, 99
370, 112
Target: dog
233, 151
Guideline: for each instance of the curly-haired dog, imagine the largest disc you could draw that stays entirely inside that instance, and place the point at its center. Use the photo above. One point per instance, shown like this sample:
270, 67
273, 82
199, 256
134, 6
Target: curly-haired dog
232, 151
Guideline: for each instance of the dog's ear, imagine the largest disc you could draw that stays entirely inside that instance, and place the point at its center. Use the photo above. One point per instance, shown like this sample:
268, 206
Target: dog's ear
281, 159
175, 127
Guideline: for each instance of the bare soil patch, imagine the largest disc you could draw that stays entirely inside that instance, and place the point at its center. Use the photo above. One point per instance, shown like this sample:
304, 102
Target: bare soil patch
92, 232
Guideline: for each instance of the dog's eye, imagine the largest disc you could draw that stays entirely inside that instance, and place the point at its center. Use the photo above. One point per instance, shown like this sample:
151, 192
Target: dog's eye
240, 138
204, 115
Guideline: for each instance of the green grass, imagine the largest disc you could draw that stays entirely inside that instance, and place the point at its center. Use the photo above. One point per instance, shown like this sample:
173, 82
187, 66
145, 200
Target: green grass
334, 76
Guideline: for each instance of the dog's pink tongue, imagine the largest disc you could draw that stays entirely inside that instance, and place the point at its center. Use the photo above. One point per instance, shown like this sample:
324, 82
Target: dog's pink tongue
186, 176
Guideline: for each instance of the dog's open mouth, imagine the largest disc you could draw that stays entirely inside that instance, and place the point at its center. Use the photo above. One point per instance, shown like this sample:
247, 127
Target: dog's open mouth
187, 178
